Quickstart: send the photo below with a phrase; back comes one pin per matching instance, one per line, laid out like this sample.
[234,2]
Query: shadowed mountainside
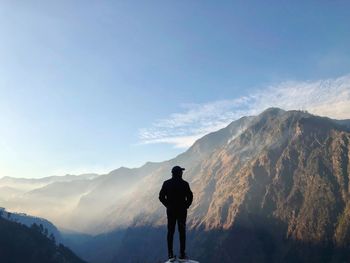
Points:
[19,243]
[28,221]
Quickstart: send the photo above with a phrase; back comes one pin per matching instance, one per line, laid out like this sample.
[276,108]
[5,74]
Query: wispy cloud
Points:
[330,97]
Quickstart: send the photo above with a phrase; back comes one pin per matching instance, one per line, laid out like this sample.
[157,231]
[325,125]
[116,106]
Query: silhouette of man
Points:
[176,196]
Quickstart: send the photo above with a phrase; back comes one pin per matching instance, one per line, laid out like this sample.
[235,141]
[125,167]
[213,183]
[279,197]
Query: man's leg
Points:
[181,223]
[171,229]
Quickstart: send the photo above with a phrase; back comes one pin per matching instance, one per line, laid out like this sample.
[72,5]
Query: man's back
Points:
[176,194]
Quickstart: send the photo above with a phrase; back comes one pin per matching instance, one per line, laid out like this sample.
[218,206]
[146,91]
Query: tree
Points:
[35,227]
[41,228]
[52,237]
[46,232]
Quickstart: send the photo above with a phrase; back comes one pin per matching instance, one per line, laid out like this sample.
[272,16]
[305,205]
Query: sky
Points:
[89,86]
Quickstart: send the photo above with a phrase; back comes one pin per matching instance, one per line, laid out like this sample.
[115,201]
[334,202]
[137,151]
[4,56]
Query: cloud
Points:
[330,97]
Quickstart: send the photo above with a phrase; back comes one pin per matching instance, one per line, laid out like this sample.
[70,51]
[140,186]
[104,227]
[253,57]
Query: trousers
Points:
[179,216]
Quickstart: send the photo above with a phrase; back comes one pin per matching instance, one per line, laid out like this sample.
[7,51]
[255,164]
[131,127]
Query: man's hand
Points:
[162,195]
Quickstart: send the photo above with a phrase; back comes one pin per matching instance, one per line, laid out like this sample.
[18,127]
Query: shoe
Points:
[171,257]
[183,258]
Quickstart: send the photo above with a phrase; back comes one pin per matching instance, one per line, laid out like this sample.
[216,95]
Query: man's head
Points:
[177,171]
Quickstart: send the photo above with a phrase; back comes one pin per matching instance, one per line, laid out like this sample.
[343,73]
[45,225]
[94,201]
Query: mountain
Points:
[49,197]
[274,190]
[345,123]
[67,201]
[121,184]
[26,184]
[19,243]
[267,188]
[142,202]
[108,190]
[80,203]
[7,193]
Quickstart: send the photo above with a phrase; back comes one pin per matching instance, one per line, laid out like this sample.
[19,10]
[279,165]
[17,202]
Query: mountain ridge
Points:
[276,179]
[274,182]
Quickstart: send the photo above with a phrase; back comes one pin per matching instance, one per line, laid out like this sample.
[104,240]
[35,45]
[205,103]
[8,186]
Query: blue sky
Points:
[88,86]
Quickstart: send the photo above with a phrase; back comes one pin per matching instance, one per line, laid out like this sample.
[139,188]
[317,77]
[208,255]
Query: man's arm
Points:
[162,195]
[189,196]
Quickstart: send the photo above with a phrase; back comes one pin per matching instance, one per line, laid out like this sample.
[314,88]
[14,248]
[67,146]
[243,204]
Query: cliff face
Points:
[288,166]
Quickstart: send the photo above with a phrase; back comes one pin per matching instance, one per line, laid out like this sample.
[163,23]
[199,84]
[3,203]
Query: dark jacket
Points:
[176,194]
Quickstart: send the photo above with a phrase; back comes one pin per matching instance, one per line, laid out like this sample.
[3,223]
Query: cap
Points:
[177,169]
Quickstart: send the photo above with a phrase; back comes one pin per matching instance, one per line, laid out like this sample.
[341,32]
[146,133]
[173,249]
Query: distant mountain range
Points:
[267,188]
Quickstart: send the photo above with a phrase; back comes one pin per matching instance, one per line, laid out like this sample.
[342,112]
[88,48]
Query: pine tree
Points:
[41,228]
[52,237]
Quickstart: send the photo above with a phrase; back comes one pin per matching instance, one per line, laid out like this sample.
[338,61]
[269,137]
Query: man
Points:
[177,197]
